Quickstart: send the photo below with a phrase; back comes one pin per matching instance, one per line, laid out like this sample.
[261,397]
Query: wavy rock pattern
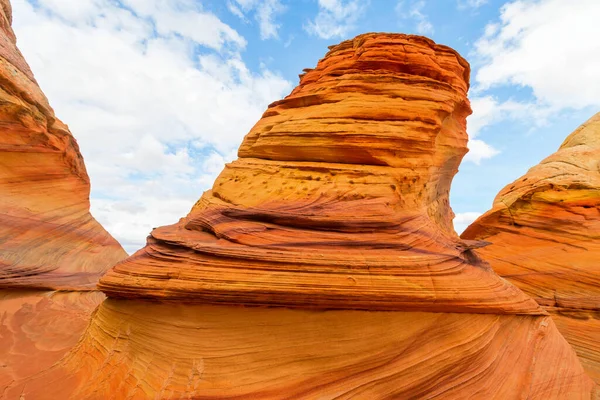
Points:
[48,238]
[545,230]
[38,328]
[140,350]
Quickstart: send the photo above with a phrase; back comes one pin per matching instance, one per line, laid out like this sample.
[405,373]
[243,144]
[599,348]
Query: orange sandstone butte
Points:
[323,263]
[48,239]
[545,235]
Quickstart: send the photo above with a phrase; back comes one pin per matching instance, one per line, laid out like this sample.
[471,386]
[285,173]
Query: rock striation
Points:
[339,198]
[323,263]
[544,229]
[48,238]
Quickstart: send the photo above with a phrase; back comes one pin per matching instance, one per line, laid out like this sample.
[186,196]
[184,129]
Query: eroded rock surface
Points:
[139,350]
[48,238]
[323,263]
[545,235]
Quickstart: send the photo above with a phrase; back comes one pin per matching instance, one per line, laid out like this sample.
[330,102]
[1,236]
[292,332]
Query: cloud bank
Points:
[156,93]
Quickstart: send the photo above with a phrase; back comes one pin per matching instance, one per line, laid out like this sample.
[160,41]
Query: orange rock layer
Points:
[140,350]
[339,198]
[545,235]
[37,328]
[48,238]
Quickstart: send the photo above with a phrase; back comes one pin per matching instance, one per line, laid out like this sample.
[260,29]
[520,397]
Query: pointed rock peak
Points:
[339,198]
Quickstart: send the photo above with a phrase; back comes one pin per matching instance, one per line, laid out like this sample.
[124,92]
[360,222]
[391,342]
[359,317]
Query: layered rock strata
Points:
[339,198]
[545,235]
[323,263]
[48,238]
[138,350]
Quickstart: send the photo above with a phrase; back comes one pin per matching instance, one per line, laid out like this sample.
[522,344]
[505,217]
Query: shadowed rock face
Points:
[48,238]
[339,198]
[545,235]
[335,211]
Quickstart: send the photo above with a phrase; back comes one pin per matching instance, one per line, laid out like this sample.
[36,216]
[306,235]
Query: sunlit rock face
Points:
[323,264]
[545,235]
[48,238]
[339,198]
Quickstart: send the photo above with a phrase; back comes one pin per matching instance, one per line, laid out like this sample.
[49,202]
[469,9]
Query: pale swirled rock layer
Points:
[48,238]
[339,198]
[545,235]
[37,328]
[140,350]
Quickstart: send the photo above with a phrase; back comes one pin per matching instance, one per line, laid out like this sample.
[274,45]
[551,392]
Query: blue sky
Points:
[159,93]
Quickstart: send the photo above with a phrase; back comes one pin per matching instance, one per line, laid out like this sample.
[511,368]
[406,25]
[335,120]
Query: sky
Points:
[160,93]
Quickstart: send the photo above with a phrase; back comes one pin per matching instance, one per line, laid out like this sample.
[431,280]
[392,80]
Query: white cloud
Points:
[265,13]
[488,110]
[157,95]
[470,3]
[463,220]
[336,18]
[479,150]
[547,45]
[235,10]
[414,11]
[543,45]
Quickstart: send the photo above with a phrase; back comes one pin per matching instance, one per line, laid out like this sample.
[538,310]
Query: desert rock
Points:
[48,238]
[323,263]
[544,229]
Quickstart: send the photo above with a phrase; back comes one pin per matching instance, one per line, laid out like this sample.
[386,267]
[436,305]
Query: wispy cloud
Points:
[413,11]
[336,18]
[265,13]
[473,4]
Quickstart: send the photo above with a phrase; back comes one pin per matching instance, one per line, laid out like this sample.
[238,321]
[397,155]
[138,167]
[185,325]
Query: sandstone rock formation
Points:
[545,235]
[339,198]
[336,217]
[48,239]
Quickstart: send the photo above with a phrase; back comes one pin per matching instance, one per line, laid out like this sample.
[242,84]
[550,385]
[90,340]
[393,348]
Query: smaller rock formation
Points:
[48,238]
[545,235]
